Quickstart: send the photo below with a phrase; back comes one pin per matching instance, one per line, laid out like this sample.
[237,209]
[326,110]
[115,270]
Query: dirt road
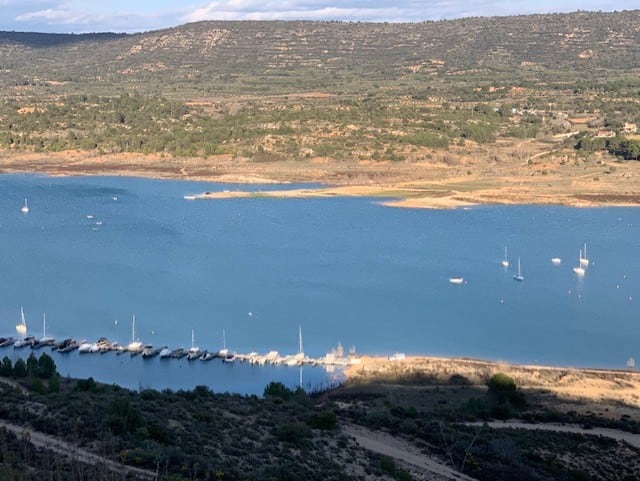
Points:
[64,448]
[629,438]
[387,445]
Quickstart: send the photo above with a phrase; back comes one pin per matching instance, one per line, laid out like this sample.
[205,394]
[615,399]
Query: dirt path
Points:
[403,451]
[64,448]
[629,438]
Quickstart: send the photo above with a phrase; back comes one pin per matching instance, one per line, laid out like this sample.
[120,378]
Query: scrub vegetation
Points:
[293,435]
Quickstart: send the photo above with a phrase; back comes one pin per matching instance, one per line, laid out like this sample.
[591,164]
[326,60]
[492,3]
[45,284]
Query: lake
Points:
[94,251]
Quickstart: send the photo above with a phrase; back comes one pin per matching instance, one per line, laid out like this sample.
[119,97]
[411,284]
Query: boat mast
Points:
[300,339]
[133,329]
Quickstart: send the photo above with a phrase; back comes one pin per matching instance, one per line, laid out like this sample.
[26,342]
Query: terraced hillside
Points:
[212,58]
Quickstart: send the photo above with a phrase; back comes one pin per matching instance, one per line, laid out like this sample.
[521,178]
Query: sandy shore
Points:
[599,385]
[398,184]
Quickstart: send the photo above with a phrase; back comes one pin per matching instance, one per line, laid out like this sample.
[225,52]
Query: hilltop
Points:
[536,108]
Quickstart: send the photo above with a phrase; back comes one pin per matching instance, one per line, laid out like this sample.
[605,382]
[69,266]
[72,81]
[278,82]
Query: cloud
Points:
[385,10]
[126,16]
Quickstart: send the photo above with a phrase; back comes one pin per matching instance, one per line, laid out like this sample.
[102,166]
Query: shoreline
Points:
[401,185]
[592,384]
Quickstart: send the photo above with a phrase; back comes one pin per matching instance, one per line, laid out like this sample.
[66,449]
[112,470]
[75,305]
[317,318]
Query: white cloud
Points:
[126,16]
[385,10]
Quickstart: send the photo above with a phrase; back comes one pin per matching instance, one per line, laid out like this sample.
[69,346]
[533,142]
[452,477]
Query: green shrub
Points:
[325,420]
[278,390]
[296,433]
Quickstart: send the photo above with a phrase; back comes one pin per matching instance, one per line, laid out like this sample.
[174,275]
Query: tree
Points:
[46,366]
[6,367]
[32,365]
[20,368]
[278,390]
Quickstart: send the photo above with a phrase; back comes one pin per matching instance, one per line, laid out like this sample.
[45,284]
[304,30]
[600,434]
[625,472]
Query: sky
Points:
[84,16]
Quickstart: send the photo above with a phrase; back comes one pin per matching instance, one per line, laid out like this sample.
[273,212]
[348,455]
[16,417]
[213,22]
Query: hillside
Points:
[211,58]
[463,109]
[422,419]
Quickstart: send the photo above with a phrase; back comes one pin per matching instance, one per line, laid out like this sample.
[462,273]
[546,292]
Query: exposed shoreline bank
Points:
[591,384]
[405,184]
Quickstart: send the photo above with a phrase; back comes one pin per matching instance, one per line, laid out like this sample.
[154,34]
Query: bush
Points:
[500,384]
[86,385]
[325,420]
[296,433]
[504,390]
[278,390]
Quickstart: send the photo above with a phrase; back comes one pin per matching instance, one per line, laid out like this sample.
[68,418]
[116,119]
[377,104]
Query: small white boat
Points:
[456,280]
[25,207]
[21,327]
[86,347]
[505,261]
[556,260]
[189,197]
[579,270]
[518,276]
[89,216]
[27,341]
[165,353]
[584,260]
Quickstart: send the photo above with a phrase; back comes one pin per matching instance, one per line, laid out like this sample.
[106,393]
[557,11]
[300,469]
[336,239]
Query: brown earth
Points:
[606,392]
[536,174]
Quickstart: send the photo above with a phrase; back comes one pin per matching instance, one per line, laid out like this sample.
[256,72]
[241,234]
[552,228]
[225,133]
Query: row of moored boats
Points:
[135,348]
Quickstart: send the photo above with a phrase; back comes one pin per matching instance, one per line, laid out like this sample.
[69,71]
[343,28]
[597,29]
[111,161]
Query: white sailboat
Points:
[21,327]
[579,270]
[518,276]
[456,280]
[45,339]
[25,207]
[194,351]
[134,346]
[505,261]
[224,351]
[584,260]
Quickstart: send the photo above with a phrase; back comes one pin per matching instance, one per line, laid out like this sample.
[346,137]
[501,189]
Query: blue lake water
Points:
[346,270]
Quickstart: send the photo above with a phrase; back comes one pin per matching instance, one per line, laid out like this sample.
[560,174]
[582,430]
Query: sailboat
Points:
[505,261]
[584,260]
[45,339]
[224,351]
[194,351]
[25,207]
[21,327]
[579,269]
[518,276]
[134,346]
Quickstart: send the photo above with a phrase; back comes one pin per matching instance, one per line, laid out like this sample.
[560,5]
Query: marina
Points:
[334,358]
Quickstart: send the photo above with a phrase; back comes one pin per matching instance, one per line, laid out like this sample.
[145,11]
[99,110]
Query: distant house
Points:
[629,128]
[605,134]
